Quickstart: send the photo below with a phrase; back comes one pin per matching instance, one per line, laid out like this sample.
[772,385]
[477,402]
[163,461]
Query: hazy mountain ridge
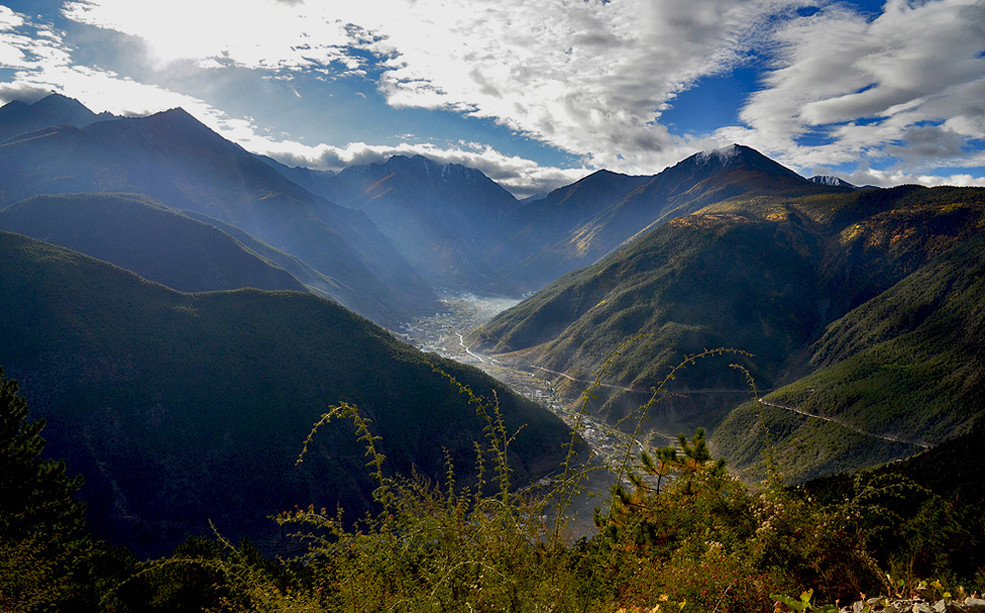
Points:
[18,118]
[172,157]
[184,407]
[461,230]
[142,235]
[442,217]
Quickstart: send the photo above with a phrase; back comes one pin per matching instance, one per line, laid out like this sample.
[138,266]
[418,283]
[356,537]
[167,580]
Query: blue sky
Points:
[534,94]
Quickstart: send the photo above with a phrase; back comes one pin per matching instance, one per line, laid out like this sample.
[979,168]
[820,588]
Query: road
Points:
[843,424]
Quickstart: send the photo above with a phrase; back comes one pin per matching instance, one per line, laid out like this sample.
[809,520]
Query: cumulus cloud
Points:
[904,89]
[907,86]
[889,178]
[521,176]
[25,45]
[589,77]
[254,33]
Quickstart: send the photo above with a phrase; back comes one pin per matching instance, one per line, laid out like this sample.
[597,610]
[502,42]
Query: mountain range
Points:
[576,225]
[861,310]
[182,311]
[178,161]
[443,218]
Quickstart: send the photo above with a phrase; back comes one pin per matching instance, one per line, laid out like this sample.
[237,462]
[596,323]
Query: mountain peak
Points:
[176,114]
[177,120]
[731,156]
[435,170]
[736,156]
[831,181]
[53,110]
[723,155]
[56,100]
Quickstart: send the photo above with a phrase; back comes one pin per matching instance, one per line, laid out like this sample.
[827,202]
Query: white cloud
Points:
[521,176]
[586,76]
[24,45]
[9,19]
[254,33]
[908,85]
[888,178]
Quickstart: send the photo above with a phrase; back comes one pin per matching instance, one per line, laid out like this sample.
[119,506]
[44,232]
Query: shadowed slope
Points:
[140,234]
[186,408]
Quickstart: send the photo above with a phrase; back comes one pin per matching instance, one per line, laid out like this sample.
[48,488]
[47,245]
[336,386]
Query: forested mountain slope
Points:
[874,292]
[183,409]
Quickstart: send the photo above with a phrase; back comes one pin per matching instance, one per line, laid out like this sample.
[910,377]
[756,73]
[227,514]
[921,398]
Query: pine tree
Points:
[43,538]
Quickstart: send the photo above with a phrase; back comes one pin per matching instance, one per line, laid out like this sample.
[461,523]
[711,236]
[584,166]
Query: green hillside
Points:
[697,282]
[907,364]
[865,305]
[577,225]
[185,408]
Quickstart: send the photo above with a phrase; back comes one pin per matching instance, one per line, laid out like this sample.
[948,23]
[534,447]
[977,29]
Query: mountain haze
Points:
[18,118]
[173,158]
[142,235]
[461,230]
[442,217]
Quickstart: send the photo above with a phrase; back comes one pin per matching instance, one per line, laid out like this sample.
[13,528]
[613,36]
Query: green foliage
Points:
[907,366]
[686,537]
[804,604]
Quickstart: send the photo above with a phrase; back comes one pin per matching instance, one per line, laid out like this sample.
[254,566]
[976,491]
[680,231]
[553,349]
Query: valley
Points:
[191,321]
[417,306]
[444,333]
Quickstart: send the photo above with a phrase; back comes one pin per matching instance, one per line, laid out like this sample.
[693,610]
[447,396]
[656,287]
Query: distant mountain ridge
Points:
[53,110]
[175,159]
[452,225]
[142,235]
[461,230]
[441,217]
